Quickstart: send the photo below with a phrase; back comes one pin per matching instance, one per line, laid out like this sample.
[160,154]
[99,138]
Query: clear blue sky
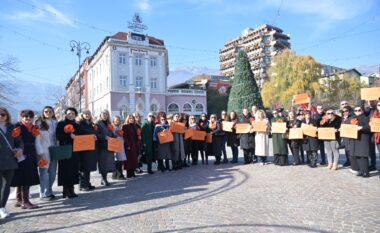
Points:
[38,32]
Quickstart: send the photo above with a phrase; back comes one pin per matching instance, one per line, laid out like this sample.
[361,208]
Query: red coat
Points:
[131,145]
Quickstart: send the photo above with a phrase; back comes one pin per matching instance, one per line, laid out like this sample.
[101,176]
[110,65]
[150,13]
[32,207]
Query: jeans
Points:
[47,178]
[5,186]
[321,146]
[263,159]
[235,153]
[223,146]
[332,151]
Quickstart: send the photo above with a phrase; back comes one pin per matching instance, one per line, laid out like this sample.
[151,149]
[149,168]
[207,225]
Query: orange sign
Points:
[372,93]
[375,125]
[177,127]
[349,131]
[208,138]
[295,133]
[189,133]
[309,130]
[278,127]
[165,137]
[326,133]
[227,126]
[199,135]
[301,98]
[115,144]
[259,126]
[84,142]
[243,128]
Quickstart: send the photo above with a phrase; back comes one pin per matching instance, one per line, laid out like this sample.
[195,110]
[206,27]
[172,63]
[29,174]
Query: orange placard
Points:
[278,127]
[375,125]
[259,126]
[372,93]
[349,131]
[227,126]
[189,133]
[199,135]
[326,133]
[243,128]
[177,127]
[114,144]
[309,130]
[84,142]
[165,137]
[208,138]
[295,133]
[301,98]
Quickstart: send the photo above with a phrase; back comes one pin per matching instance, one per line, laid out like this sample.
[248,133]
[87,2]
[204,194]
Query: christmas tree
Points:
[244,91]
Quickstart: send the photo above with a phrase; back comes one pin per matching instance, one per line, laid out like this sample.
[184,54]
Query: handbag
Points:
[60,152]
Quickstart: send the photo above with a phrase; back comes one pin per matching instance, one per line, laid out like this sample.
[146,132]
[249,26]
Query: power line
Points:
[277,13]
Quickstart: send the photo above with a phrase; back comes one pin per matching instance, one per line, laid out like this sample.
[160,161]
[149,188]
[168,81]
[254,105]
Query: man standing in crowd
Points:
[317,118]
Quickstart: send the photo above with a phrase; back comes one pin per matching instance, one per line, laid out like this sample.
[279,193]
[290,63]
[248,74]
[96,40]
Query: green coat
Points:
[147,140]
[280,146]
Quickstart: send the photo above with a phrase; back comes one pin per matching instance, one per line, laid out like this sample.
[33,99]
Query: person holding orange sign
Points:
[178,147]
[120,157]
[194,144]
[131,145]
[217,134]
[376,136]
[262,138]
[247,140]
[163,150]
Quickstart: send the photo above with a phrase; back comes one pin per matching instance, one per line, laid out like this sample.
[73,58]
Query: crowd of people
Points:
[25,159]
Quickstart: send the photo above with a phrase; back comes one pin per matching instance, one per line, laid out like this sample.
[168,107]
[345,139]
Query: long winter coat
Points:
[247,140]
[147,140]
[178,147]
[120,156]
[163,150]
[262,142]
[310,143]
[217,134]
[106,158]
[232,137]
[68,169]
[88,159]
[7,158]
[360,147]
[27,172]
[280,146]
[131,146]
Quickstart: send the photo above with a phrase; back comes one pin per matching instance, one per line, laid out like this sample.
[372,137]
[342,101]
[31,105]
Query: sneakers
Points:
[3,213]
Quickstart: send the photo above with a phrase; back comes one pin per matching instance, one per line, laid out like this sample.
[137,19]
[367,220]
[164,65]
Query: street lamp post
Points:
[77,46]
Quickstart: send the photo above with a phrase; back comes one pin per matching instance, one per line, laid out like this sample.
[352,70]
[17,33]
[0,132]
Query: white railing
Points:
[186,92]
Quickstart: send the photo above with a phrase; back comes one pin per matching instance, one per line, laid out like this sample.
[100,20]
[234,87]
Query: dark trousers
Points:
[312,156]
[235,153]
[247,155]
[118,173]
[362,164]
[194,153]
[263,159]
[223,146]
[296,149]
[84,179]
[347,153]
[354,164]
[372,153]
[321,146]
[5,186]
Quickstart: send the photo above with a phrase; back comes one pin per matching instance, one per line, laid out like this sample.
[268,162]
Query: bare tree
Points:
[7,71]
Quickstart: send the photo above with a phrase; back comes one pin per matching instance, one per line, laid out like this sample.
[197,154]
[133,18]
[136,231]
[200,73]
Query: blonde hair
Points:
[258,114]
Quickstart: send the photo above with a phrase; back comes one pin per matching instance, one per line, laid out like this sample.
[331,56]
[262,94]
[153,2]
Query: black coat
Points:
[87,159]
[232,137]
[68,169]
[360,147]
[7,158]
[27,172]
[310,143]
[247,140]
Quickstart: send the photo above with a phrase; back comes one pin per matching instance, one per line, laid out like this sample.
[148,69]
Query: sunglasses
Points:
[3,114]
[329,113]
[357,110]
[344,104]
[345,111]
[378,105]
[150,116]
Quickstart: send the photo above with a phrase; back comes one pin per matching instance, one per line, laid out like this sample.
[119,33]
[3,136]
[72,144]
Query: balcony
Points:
[187,92]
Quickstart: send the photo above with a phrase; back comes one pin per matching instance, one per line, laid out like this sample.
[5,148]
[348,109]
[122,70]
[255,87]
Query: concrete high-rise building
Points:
[261,45]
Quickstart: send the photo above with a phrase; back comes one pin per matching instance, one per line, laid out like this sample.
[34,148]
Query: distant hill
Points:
[184,73]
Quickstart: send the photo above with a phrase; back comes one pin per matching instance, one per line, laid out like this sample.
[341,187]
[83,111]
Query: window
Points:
[123,80]
[186,107]
[122,58]
[153,83]
[139,81]
[172,108]
[138,60]
[153,108]
[199,108]
[153,61]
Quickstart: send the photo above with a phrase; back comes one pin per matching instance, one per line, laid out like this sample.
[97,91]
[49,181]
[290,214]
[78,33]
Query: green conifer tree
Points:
[244,90]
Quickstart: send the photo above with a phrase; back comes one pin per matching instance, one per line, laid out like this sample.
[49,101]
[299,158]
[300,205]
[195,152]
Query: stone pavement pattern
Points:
[208,198]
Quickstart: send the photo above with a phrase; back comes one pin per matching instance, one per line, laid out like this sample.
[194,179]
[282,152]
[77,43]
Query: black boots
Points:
[104,179]
[68,191]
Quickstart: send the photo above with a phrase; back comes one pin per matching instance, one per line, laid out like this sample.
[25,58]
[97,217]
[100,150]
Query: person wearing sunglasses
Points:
[203,124]
[347,113]
[332,146]
[163,150]
[147,129]
[359,148]
[27,173]
[11,146]
[247,140]
[280,147]
[178,147]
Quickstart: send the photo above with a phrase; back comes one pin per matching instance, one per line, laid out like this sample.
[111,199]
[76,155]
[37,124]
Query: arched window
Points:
[187,107]
[173,108]
[199,108]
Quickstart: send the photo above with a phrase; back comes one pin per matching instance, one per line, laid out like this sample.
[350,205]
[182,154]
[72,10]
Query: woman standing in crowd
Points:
[310,144]
[280,147]
[247,140]
[332,146]
[223,117]
[203,124]
[88,158]
[232,138]
[376,136]
[147,140]
[131,144]
[194,144]
[346,118]
[68,169]
[137,117]
[27,173]
[163,150]
[106,159]
[359,148]
[296,144]
[11,146]
[186,143]
[47,123]
[120,157]
[262,138]
[178,147]
[217,138]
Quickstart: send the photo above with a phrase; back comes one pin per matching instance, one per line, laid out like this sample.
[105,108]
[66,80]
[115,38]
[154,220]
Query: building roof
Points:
[124,36]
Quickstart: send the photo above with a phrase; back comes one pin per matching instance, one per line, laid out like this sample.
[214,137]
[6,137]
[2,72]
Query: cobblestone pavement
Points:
[208,198]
